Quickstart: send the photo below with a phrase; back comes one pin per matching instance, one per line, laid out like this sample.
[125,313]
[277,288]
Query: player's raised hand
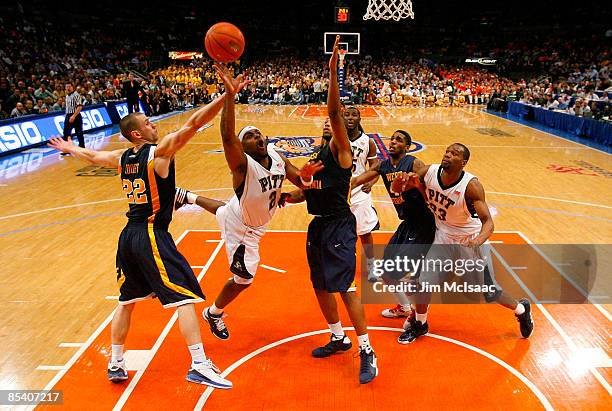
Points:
[60,144]
[333,60]
[310,169]
[232,85]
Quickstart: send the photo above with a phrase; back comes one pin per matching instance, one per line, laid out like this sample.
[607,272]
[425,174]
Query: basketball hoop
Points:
[389,9]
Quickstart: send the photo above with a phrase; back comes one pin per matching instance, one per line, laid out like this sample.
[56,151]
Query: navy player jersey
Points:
[409,205]
[328,195]
[150,197]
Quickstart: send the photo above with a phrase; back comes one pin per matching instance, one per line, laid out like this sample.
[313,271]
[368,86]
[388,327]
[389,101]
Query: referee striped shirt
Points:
[72,102]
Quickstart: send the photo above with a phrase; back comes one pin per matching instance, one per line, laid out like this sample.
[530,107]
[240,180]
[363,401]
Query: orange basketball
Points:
[224,42]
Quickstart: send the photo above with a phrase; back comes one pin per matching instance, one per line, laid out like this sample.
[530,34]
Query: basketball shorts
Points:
[331,250]
[149,264]
[241,242]
[411,240]
[365,213]
[448,248]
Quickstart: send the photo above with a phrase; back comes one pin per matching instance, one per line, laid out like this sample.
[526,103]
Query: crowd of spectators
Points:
[38,59]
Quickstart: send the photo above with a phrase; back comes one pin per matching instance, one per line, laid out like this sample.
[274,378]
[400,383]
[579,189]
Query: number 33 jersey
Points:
[258,196]
[454,216]
[150,197]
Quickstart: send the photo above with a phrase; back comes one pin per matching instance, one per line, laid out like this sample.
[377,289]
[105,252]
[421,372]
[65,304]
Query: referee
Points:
[73,120]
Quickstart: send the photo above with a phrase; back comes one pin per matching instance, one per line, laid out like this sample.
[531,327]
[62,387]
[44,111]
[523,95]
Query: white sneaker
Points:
[117,371]
[207,373]
[397,312]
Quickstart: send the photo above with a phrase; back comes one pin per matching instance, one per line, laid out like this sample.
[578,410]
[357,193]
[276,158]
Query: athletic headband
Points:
[246,130]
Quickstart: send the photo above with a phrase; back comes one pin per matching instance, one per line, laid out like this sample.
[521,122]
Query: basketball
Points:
[224,42]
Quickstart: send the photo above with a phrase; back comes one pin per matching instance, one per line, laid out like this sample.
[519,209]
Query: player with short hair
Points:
[148,262]
[258,172]
[463,225]
[416,232]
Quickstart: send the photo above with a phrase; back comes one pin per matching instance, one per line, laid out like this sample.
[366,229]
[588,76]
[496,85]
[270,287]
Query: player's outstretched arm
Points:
[101,158]
[293,197]
[475,194]
[232,146]
[340,138]
[369,176]
[173,142]
[302,178]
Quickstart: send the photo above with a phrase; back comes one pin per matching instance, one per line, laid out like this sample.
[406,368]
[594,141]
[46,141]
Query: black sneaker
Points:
[525,320]
[416,330]
[216,323]
[180,197]
[367,367]
[332,347]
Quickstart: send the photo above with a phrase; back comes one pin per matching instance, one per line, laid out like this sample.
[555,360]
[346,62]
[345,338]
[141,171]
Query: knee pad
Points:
[242,281]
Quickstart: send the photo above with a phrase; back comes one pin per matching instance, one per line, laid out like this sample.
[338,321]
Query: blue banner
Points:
[22,132]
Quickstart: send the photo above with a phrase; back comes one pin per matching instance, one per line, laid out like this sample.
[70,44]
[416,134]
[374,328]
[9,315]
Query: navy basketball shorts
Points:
[149,264]
[331,251]
[411,240]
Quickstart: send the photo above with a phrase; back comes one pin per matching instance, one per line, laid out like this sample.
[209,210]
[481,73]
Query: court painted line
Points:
[293,111]
[495,242]
[549,198]
[570,343]
[70,345]
[44,210]
[513,147]
[305,111]
[134,381]
[71,220]
[111,297]
[390,113]
[89,341]
[541,397]
[519,268]
[51,368]
[599,308]
[545,132]
[197,267]
[213,241]
[377,113]
[278,270]
[552,211]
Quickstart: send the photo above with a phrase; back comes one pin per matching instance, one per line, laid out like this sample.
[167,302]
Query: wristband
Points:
[306,184]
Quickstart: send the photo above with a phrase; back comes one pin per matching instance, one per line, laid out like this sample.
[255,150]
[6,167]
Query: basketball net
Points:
[389,9]
[341,54]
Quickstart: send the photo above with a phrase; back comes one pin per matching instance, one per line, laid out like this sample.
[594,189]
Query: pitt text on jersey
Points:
[271,182]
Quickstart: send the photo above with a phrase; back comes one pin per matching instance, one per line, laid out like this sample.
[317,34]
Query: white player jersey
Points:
[261,191]
[361,151]
[453,216]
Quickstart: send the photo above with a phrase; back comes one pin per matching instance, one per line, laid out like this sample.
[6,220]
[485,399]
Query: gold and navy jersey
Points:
[150,197]
[329,193]
[410,205]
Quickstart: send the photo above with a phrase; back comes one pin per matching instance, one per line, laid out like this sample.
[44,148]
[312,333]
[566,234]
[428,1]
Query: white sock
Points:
[336,330]
[421,317]
[197,353]
[520,309]
[364,343]
[116,353]
[191,197]
[214,310]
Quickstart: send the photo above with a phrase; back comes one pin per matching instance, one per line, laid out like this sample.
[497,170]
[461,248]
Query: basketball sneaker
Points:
[180,197]
[207,373]
[216,323]
[416,330]
[367,366]
[332,347]
[117,372]
[399,311]
[525,320]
